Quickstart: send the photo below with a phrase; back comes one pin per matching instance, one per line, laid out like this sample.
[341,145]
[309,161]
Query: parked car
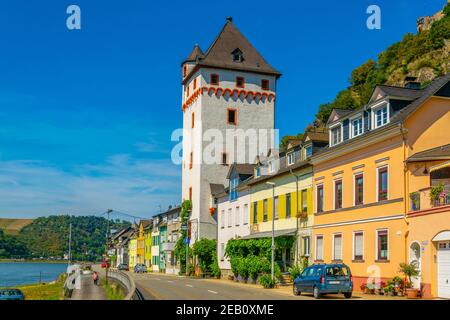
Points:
[11,294]
[123,267]
[105,264]
[320,279]
[140,268]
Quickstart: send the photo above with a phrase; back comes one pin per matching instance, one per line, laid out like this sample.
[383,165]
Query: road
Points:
[172,287]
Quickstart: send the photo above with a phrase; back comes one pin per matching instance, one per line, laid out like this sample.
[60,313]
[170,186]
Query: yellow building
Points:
[132,251]
[428,187]
[360,182]
[286,179]
[148,246]
[140,253]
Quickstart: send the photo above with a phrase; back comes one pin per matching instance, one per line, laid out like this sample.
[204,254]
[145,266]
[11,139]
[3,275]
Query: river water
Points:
[19,273]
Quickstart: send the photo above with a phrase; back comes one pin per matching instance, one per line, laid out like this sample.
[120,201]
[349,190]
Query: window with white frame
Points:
[230,217]
[222,219]
[381,116]
[306,246]
[357,127]
[336,135]
[358,246]
[222,251]
[246,214]
[337,246]
[237,216]
[382,245]
[291,158]
[319,247]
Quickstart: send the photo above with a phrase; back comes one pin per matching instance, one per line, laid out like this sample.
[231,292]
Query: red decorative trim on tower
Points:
[220,92]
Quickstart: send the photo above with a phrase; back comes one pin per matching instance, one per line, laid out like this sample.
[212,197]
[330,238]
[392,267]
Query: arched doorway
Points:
[414,258]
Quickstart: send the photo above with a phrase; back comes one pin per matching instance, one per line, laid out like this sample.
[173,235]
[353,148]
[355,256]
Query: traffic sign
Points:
[186,240]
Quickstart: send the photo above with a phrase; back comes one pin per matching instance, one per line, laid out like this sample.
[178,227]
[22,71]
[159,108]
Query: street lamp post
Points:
[273,229]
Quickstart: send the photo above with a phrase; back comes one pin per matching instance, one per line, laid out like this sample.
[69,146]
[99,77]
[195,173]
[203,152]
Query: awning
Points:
[440,166]
[442,236]
[268,234]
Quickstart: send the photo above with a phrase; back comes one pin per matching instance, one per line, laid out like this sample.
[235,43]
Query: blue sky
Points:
[86,115]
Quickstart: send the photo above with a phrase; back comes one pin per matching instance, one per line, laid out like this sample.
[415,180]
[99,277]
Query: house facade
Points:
[233,209]
[148,246]
[360,183]
[229,87]
[132,250]
[283,182]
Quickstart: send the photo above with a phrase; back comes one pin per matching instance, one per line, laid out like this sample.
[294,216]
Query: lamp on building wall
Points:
[425,171]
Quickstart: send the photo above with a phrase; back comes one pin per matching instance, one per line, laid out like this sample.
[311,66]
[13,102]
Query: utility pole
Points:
[273,229]
[106,247]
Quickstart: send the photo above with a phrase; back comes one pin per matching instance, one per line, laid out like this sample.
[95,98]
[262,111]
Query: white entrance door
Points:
[443,265]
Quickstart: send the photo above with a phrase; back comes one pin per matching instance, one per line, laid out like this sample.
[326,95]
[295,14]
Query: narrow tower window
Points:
[214,80]
[232,116]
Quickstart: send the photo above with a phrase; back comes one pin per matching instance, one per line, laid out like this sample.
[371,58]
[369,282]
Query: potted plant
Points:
[435,193]
[364,288]
[415,201]
[398,285]
[379,288]
[371,287]
[389,290]
[410,270]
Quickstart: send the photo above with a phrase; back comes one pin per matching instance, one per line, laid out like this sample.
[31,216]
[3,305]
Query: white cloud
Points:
[33,188]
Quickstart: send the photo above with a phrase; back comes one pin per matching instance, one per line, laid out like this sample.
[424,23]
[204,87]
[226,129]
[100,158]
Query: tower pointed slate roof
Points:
[195,53]
[219,54]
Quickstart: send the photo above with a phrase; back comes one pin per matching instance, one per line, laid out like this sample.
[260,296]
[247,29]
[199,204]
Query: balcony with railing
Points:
[429,198]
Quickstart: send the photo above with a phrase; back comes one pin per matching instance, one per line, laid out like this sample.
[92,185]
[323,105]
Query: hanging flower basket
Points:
[212,210]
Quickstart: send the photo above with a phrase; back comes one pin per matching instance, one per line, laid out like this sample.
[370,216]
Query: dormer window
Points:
[356,127]
[308,151]
[237,55]
[233,188]
[336,135]
[271,165]
[257,172]
[380,116]
[291,158]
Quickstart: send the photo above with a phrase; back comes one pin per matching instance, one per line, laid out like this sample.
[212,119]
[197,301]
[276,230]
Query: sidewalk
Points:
[88,290]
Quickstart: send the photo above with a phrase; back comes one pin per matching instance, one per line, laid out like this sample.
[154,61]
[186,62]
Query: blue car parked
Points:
[11,294]
[321,279]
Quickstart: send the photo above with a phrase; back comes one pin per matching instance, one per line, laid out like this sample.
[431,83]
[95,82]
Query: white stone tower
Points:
[230,86]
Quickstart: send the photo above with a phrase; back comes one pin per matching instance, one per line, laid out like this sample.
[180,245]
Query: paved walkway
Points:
[88,291]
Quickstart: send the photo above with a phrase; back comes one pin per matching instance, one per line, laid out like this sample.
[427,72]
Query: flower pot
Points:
[411,293]
[390,293]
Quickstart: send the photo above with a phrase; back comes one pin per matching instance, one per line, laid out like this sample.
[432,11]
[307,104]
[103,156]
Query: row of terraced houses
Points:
[370,188]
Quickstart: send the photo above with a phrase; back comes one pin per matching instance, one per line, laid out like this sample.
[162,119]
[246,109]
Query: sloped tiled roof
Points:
[219,54]
[216,188]
[438,153]
[195,53]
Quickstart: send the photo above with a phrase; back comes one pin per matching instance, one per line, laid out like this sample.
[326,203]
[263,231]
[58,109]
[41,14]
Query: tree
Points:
[205,250]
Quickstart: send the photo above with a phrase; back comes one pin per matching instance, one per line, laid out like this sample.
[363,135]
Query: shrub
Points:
[243,268]
[215,270]
[295,271]
[253,264]
[205,250]
[234,262]
[409,270]
[267,282]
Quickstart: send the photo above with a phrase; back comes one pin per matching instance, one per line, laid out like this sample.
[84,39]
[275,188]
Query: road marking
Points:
[212,291]
[157,279]
[189,285]
[170,281]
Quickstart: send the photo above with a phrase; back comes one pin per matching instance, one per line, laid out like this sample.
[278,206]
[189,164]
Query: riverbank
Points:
[49,291]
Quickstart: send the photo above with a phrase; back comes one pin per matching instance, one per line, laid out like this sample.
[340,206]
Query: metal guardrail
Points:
[127,282]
